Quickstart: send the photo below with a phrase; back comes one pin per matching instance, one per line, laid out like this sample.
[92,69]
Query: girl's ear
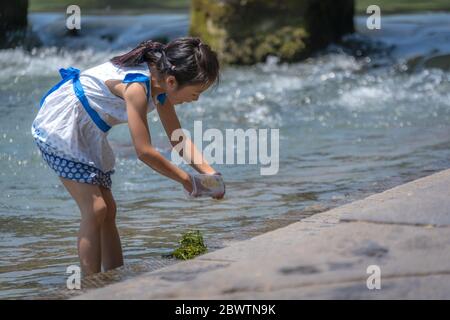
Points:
[171,82]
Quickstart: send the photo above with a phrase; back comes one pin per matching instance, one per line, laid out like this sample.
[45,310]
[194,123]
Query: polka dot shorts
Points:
[76,171]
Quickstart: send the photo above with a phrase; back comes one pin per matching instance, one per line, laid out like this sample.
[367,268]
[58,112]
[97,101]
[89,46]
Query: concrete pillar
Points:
[247,31]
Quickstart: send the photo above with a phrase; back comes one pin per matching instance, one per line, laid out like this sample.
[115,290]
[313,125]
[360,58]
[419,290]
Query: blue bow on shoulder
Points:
[69,73]
[66,75]
[74,74]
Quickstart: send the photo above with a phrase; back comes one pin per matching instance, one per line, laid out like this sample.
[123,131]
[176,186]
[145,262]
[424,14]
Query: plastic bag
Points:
[206,185]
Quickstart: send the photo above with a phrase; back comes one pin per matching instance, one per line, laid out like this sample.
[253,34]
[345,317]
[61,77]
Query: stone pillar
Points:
[13,22]
[247,31]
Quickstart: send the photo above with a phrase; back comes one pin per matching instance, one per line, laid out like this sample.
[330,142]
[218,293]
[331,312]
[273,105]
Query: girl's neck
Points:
[156,86]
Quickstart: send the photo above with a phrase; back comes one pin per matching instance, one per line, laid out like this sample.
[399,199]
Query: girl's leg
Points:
[93,213]
[110,241]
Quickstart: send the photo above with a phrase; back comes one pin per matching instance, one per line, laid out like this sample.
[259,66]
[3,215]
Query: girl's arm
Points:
[171,123]
[136,102]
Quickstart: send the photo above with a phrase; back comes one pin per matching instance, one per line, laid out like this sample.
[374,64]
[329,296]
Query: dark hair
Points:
[188,59]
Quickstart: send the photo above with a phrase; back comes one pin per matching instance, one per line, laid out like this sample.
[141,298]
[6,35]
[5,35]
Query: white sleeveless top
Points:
[63,127]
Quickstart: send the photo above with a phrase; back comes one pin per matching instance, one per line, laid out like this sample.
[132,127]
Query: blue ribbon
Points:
[138,77]
[161,98]
[74,74]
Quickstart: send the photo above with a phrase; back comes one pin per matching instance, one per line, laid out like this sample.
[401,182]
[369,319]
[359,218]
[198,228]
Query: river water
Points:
[354,120]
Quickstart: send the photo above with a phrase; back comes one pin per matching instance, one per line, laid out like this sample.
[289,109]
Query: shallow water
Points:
[351,124]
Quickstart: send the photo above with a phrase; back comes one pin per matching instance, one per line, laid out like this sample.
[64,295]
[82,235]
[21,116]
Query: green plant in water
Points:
[191,245]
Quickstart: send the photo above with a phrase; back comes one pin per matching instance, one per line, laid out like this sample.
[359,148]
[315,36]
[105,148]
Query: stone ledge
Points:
[321,257]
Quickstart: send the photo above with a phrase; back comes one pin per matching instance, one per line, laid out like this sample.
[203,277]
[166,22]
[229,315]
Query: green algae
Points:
[191,245]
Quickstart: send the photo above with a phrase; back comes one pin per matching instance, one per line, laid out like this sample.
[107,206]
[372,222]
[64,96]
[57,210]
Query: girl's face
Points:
[187,93]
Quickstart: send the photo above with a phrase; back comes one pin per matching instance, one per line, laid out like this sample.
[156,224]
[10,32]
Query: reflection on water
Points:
[350,125]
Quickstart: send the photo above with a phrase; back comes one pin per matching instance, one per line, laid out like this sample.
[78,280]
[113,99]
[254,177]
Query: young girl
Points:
[76,115]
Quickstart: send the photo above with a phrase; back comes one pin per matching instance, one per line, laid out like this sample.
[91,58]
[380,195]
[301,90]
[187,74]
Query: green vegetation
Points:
[400,6]
[191,245]
[96,5]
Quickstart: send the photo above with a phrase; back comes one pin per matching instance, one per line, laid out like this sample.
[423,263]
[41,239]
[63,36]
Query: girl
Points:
[72,124]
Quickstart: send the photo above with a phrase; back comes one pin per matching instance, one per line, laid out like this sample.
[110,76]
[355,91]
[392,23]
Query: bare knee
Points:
[97,213]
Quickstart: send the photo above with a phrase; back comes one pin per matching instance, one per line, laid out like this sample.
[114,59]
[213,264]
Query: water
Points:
[352,122]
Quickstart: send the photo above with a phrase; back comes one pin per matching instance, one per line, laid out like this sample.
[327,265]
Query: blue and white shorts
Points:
[76,171]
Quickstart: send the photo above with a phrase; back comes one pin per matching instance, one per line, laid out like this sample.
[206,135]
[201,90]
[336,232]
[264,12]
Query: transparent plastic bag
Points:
[206,185]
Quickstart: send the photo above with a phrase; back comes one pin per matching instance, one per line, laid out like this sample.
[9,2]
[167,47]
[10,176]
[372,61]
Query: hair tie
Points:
[158,54]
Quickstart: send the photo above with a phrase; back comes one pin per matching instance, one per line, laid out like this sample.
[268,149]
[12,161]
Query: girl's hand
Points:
[188,185]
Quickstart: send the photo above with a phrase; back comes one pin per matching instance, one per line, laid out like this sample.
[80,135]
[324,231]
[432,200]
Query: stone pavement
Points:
[405,231]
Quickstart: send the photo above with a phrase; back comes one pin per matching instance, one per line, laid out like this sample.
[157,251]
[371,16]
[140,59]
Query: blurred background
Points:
[359,111]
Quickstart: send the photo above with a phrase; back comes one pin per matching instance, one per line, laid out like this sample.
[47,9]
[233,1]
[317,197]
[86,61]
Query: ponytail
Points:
[149,50]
